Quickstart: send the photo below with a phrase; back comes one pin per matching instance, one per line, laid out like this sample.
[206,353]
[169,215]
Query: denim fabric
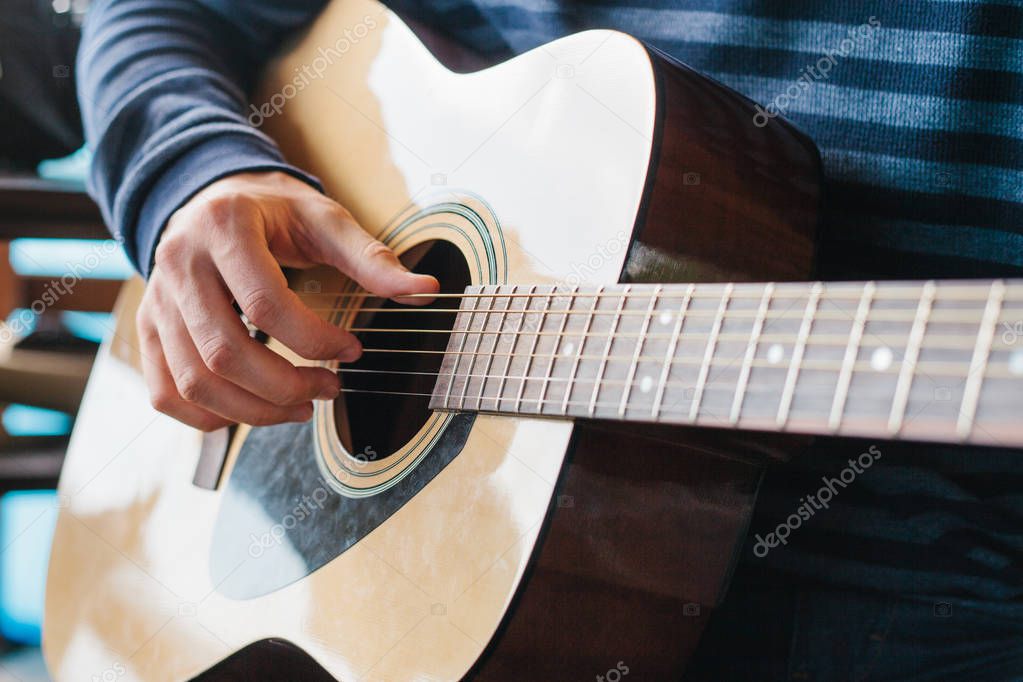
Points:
[770,630]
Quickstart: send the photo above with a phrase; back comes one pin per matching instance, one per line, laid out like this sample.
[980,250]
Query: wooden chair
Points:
[43,209]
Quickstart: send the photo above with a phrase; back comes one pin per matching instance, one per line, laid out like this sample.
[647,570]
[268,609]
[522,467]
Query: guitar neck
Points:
[937,361]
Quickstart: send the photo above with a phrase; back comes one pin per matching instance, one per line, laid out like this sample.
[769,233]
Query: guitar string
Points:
[934,342]
[964,294]
[952,316]
[526,401]
[927,368]
[908,315]
[940,316]
[669,410]
[936,368]
[832,340]
[863,366]
[816,390]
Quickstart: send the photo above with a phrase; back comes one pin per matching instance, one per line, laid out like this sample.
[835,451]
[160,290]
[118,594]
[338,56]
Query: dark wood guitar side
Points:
[651,554]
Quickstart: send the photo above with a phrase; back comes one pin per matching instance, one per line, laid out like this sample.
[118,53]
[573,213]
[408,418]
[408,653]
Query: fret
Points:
[978,364]
[445,373]
[579,353]
[532,349]
[607,350]
[910,358]
[655,411]
[631,375]
[493,350]
[461,349]
[797,354]
[701,381]
[852,350]
[511,349]
[565,364]
[851,358]
[474,353]
[554,351]
[751,352]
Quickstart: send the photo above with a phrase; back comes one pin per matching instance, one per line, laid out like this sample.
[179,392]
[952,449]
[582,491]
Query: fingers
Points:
[225,347]
[261,290]
[341,242]
[163,393]
[229,243]
[197,385]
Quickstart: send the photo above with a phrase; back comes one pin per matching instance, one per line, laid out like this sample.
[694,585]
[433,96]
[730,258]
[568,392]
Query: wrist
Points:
[217,159]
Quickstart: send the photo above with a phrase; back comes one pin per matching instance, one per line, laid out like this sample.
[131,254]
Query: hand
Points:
[227,244]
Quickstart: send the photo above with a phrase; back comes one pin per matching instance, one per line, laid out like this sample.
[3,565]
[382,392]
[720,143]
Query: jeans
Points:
[771,630]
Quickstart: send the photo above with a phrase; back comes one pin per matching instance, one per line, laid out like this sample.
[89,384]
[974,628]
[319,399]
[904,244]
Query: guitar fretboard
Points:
[940,361]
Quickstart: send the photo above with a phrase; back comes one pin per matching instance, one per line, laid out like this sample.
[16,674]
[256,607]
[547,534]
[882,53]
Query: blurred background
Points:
[59,277]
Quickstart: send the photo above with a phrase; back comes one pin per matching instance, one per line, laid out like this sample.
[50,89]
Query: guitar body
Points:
[464,544]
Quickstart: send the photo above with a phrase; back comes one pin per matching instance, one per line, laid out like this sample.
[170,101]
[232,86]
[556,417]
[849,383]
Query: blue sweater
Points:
[916,105]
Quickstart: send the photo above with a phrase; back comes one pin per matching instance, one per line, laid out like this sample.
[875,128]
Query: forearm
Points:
[162,85]
[163,90]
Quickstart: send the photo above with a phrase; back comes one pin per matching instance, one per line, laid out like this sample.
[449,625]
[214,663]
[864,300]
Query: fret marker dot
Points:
[775,354]
[646,384]
[1016,362]
[665,318]
[567,350]
[881,358]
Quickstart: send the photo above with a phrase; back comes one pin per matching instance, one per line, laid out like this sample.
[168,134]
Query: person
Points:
[39,116]
[914,570]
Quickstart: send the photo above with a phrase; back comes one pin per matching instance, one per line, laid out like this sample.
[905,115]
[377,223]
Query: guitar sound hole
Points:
[395,405]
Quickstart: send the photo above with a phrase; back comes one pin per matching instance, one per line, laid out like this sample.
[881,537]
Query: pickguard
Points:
[280,520]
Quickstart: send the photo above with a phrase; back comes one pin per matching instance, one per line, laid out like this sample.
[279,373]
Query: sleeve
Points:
[162,87]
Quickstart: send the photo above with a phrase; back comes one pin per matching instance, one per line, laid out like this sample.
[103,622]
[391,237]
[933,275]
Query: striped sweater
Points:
[916,105]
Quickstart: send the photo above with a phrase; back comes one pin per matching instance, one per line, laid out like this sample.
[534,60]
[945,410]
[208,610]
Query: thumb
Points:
[346,246]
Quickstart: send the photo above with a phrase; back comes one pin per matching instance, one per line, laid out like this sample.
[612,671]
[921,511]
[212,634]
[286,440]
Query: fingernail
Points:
[302,414]
[350,354]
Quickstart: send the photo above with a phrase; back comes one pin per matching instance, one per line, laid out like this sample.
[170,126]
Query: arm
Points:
[208,209]
[162,87]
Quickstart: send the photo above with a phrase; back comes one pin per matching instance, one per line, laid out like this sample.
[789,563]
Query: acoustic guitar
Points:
[547,471]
